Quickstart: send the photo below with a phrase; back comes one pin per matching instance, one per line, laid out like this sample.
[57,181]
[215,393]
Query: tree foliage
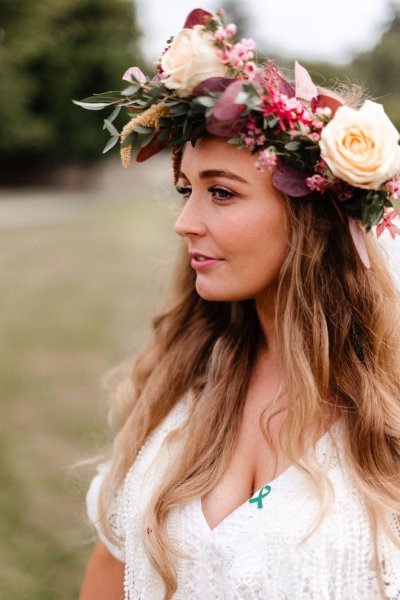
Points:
[379,68]
[50,52]
[375,71]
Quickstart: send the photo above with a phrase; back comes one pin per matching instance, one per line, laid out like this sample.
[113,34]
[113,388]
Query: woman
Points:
[258,450]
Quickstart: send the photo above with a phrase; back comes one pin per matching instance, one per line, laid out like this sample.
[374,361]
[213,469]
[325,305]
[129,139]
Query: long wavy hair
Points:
[338,332]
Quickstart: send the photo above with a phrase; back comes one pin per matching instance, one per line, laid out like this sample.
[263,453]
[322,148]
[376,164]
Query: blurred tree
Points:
[376,71]
[380,67]
[236,12]
[50,52]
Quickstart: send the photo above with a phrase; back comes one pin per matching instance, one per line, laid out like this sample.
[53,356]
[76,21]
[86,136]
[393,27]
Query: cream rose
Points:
[191,58]
[361,146]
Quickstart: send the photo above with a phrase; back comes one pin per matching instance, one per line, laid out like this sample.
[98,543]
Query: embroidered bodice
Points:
[255,553]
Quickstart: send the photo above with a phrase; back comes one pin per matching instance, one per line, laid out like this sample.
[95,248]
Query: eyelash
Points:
[185,191]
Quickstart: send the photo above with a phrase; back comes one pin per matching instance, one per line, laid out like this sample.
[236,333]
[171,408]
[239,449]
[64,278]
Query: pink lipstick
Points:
[200,261]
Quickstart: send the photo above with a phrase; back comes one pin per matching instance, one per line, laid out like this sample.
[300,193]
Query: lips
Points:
[203,261]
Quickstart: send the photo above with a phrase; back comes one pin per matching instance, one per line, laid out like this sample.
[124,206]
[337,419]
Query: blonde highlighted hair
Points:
[338,328]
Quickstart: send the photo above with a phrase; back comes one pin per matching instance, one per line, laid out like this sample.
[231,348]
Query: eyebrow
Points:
[217,173]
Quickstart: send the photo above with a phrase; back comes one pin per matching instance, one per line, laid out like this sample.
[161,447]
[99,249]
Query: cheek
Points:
[265,257]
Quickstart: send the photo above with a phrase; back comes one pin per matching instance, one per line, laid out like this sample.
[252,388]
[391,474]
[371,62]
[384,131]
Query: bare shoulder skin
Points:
[104,577]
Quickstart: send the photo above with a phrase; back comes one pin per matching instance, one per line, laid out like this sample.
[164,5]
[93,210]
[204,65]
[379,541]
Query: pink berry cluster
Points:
[393,187]
[267,159]
[323,181]
[252,135]
[238,56]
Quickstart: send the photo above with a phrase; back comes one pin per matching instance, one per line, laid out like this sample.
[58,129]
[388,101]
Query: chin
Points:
[215,294]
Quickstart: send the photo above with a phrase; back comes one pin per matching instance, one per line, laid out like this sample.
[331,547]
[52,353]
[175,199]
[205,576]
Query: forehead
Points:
[216,153]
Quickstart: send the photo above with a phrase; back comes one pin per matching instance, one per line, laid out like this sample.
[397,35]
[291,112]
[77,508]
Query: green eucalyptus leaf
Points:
[130,139]
[163,136]
[156,92]
[110,127]
[179,109]
[250,88]
[242,98]
[130,90]
[110,144]
[137,142]
[164,122]
[92,105]
[388,202]
[114,113]
[205,101]
[146,139]
[292,146]
[271,123]
[142,129]
[187,126]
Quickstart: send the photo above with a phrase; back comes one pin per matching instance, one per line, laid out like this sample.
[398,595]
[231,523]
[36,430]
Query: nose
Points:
[191,219]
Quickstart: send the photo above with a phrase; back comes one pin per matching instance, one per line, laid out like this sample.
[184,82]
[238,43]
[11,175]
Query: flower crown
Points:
[313,144]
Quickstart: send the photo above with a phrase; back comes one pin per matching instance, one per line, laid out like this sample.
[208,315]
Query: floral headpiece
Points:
[312,143]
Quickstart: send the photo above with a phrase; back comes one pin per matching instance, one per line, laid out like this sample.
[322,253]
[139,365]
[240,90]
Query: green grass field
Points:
[76,299]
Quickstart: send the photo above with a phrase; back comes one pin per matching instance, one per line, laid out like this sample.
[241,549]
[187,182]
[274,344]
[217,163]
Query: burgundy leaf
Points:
[225,129]
[323,101]
[271,75]
[284,86]
[291,181]
[196,17]
[150,149]
[212,84]
[225,108]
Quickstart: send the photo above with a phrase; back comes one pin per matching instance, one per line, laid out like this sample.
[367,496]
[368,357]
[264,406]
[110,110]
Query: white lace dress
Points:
[255,552]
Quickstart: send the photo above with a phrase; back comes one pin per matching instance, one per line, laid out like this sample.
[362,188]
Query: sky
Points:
[329,30]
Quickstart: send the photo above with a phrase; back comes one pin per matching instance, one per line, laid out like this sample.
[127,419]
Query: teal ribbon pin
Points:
[263,493]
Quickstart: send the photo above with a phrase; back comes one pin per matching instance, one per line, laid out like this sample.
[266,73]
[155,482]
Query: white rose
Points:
[361,146]
[191,58]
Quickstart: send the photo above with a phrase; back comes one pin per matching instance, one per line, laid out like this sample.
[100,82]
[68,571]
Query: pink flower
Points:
[289,111]
[317,183]
[387,223]
[267,159]
[314,136]
[321,167]
[221,35]
[251,69]
[225,55]
[247,43]
[252,135]
[393,185]
[316,124]
[231,29]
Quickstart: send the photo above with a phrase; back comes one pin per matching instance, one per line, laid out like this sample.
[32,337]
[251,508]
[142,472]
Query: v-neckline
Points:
[272,484]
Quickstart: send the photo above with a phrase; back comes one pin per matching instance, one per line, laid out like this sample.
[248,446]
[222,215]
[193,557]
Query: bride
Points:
[258,449]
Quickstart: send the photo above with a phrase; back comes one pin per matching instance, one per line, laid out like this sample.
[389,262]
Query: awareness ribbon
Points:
[263,493]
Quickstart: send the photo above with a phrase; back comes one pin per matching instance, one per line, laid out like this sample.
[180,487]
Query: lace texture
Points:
[254,553]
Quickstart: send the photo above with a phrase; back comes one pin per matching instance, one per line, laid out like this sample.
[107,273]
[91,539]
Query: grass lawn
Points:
[76,299]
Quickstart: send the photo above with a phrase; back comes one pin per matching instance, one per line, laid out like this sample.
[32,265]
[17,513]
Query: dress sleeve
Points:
[114,515]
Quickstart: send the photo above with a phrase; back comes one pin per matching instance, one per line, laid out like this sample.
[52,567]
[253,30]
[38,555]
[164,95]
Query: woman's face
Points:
[233,221]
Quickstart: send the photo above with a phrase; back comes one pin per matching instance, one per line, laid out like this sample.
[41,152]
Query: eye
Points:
[185,191]
[220,194]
